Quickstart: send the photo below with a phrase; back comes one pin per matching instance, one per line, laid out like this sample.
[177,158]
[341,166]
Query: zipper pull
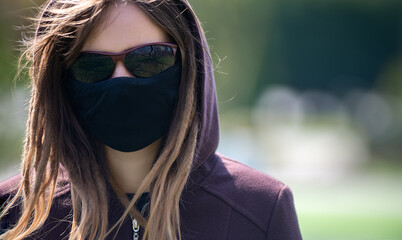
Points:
[136,229]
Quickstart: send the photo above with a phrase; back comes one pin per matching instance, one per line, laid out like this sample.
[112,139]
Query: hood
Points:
[208,136]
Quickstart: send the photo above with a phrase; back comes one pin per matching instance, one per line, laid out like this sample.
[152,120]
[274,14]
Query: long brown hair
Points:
[55,141]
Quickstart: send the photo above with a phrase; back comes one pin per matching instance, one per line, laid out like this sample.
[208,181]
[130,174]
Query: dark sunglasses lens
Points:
[149,61]
[91,67]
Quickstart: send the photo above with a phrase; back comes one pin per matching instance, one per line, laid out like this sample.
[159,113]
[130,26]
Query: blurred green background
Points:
[310,92]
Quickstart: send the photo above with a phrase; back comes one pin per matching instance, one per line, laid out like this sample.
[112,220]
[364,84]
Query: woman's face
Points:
[123,26]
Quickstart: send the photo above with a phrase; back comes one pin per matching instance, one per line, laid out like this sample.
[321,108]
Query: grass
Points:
[342,227]
[367,206]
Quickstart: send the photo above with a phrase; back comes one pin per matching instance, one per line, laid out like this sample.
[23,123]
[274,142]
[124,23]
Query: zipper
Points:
[136,229]
[136,226]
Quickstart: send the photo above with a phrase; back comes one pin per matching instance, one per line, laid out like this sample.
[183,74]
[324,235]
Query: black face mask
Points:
[127,114]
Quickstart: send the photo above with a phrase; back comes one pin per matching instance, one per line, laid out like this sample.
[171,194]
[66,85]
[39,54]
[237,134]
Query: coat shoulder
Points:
[9,187]
[249,179]
[56,223]
[253,194]
[242,183]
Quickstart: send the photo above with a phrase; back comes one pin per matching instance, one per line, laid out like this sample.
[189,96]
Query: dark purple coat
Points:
[223,199]
[226,200]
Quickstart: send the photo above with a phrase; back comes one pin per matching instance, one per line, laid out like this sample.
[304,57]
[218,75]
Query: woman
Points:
[122,133]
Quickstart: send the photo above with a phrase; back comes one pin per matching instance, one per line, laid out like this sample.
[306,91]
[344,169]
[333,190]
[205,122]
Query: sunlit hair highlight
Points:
[56,143]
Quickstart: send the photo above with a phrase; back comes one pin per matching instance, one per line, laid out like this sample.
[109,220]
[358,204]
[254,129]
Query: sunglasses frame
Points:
[122,55]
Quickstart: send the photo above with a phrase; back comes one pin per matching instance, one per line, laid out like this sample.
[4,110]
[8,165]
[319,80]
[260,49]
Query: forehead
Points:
[123,26]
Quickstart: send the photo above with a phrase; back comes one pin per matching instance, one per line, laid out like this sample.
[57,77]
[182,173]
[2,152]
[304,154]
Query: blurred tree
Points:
[339,47]
[7,37]
[14,16]
[333,46]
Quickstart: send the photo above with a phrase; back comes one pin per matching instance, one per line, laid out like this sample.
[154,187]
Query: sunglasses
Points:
[142,61]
